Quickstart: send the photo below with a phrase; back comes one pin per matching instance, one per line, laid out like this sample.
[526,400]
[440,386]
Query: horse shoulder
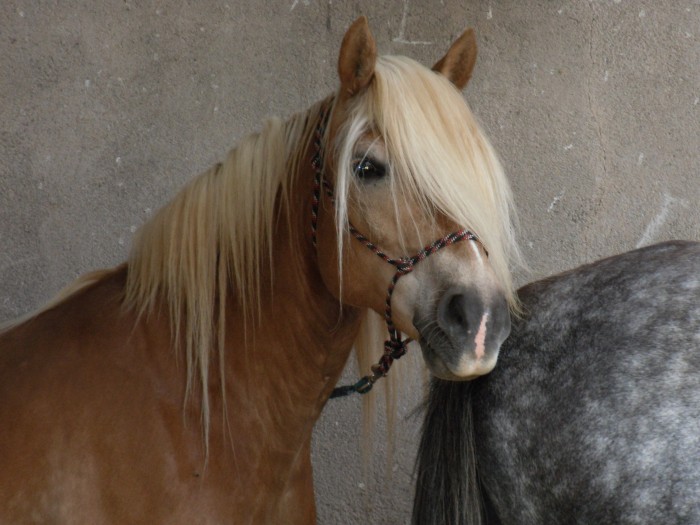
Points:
[86,389]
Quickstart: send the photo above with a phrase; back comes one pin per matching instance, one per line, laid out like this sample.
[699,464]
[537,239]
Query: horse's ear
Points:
[458,63]
[358,54]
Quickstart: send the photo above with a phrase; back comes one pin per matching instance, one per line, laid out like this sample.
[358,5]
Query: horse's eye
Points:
[368,169]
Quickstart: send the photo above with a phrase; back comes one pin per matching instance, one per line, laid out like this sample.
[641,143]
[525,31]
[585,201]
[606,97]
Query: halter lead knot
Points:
[405,265]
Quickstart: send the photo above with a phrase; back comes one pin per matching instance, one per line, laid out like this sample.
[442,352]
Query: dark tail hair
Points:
[447,488]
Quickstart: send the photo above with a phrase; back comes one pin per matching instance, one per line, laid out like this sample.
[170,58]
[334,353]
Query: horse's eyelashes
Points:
[368,169]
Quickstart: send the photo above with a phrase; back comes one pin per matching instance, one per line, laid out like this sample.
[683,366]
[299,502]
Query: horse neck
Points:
[290,356]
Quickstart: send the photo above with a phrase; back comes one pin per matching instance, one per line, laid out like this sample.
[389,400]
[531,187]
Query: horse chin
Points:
[464,368]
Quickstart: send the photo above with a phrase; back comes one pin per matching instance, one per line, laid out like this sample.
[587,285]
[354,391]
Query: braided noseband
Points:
[394,347]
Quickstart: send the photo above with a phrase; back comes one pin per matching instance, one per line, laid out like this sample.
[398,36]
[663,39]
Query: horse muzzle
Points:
[462,336]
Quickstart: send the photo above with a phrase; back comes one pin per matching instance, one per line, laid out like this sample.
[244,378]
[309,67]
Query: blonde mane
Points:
[213,238]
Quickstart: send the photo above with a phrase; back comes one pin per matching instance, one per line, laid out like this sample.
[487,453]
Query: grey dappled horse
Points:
[592,414]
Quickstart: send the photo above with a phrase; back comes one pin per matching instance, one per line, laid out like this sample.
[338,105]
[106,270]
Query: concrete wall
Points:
[107,108]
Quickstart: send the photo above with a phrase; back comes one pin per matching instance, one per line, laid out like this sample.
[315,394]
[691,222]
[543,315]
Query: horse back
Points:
[593,412]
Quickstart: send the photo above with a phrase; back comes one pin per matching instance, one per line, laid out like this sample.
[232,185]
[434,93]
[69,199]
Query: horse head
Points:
[413,207]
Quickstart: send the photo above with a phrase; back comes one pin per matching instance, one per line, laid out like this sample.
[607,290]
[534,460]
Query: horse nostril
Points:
[455,311]
[452,313]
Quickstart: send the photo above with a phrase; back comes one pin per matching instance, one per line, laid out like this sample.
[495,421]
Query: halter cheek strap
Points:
[394,346]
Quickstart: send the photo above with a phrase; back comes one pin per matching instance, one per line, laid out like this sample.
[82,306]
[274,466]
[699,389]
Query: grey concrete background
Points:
[107,108]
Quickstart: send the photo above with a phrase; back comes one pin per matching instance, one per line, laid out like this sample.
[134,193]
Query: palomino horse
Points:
[592,415]
[183,385]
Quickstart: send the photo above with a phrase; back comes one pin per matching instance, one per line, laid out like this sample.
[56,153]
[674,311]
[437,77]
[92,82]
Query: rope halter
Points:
[394,346]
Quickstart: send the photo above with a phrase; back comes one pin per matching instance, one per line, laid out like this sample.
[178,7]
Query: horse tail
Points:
[447,487]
